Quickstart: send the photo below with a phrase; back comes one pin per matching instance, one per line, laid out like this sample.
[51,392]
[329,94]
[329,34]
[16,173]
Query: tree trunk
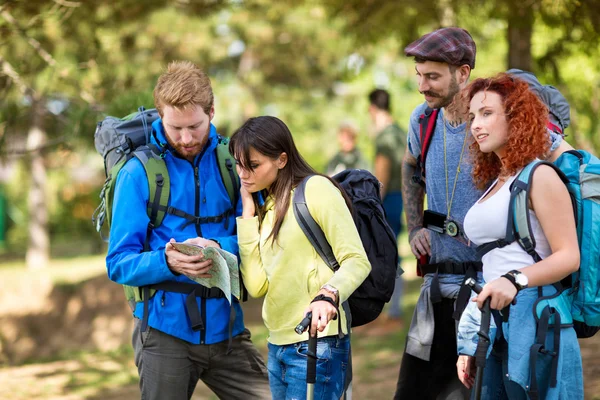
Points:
[520,30]
[38,252]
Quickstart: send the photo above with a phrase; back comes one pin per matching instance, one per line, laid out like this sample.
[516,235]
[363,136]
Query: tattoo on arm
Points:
[413,194]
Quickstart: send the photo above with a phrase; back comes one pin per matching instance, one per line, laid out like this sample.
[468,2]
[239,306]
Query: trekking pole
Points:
[311,362]
[484,338]
[311,367]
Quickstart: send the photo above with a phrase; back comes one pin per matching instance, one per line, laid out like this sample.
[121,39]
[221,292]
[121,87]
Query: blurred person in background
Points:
[349,156]
[390,145]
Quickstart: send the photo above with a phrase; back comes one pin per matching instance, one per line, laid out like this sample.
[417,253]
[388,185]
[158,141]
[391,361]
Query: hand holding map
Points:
[224,273]
[188,249]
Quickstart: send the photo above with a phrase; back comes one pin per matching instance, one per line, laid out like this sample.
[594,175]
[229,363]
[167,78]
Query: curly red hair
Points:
[526,115]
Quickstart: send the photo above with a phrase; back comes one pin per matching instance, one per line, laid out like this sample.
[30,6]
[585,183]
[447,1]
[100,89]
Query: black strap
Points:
[464,294]
[328,299]
[156,203]
[231,322]
[484,335]
[311,228]
[192,290]
[469,269]
[527,242]
[154,210]
[539,347]
[192,219]
[234,182]
[146,296]
[450,267]
[316,237]
[435,292]
[485,248]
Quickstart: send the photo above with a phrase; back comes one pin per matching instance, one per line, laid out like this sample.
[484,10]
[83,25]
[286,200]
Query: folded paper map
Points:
[224,272]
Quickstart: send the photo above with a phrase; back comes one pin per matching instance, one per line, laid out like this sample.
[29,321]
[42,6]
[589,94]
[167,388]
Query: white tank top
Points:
[486,221]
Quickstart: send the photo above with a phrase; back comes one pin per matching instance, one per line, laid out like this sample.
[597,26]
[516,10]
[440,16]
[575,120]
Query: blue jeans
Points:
[496,385]
[392,204]
[287,369]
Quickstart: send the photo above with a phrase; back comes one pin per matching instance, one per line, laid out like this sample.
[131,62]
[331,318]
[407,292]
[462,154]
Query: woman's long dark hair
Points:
[271,137]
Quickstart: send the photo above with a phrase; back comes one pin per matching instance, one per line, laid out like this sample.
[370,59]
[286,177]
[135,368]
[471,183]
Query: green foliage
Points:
[310,63]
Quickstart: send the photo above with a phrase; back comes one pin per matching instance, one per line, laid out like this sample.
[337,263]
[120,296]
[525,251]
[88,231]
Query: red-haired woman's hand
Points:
[501,291]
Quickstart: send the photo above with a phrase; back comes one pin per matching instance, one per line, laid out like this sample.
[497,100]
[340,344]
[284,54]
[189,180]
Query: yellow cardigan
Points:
[289,272]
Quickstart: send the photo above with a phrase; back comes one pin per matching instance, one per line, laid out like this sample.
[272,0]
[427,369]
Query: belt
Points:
[469,269]
[192,290]
[449,267]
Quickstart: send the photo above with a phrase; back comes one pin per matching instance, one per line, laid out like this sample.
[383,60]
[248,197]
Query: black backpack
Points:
[378,239]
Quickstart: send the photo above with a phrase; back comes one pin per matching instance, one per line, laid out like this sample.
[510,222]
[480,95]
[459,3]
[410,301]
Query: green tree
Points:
[49,55]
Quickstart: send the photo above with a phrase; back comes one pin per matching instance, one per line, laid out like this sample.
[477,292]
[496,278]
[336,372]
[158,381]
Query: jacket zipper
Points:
[199,233]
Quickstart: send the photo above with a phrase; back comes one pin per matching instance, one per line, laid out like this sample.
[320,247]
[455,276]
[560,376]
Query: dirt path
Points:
[96,309]
[114,377]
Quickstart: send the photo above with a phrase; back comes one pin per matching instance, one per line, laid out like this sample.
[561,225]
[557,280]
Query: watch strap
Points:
[328,288]
[322,297]
[512,280]
[328,299]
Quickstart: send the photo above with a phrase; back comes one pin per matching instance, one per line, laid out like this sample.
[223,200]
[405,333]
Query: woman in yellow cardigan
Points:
[279,262]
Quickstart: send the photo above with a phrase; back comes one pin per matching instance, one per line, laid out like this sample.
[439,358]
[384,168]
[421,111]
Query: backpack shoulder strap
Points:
[159,184]
[518,226]
[576,153]
[519,222]
[228,172]
[427,122]
[311,228]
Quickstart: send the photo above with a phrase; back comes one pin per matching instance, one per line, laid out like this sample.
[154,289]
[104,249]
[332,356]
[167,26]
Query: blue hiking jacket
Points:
[196,188]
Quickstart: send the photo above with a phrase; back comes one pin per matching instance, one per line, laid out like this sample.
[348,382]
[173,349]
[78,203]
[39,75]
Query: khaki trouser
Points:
[170,368]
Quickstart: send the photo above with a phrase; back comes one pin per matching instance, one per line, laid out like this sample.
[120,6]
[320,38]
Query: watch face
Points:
[521,280]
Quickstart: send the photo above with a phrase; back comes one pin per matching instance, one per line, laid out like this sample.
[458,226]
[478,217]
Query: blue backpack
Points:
[576,301]
[582,170]
[578,297]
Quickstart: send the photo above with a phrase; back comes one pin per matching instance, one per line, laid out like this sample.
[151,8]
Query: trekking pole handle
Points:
[303,325]
[472,283]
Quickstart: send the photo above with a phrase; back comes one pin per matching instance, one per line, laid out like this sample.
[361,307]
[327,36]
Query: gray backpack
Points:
[558,106]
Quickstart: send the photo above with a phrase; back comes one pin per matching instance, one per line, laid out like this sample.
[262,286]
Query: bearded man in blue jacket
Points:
[175,343]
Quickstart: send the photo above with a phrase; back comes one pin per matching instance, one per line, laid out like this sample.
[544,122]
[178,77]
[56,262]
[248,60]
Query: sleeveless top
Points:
[486,221]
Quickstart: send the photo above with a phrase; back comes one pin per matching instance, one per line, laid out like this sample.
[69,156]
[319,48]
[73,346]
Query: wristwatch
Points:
[518,279]
[327,287]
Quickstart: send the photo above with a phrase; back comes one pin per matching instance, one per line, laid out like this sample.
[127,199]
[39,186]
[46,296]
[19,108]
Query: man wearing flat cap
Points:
[443,62]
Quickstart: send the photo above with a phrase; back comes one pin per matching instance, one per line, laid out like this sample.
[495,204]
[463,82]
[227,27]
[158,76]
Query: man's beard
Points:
[198,145]
[453,89]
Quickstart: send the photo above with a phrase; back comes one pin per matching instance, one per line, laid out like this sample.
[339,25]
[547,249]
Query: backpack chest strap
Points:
[192,219]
